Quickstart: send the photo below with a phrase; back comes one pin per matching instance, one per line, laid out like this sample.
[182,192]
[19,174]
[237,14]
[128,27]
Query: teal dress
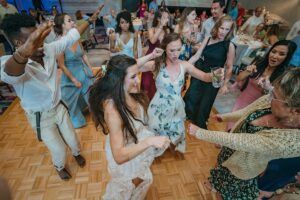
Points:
[76,98]
[230,187]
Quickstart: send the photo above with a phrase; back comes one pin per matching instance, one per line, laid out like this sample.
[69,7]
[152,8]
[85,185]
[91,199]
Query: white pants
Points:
[56,131]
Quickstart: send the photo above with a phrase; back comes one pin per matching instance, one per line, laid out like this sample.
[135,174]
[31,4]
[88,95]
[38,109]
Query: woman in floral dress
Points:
[166,109]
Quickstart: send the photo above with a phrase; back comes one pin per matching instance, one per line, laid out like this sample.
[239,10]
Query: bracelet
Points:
[16,60]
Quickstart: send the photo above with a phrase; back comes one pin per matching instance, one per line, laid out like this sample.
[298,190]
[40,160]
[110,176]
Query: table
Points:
[245,45]
[137,24]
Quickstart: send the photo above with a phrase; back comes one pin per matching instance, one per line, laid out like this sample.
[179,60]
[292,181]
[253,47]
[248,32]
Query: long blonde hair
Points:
[183,17]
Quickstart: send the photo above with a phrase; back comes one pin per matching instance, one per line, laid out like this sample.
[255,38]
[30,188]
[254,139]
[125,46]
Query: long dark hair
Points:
[111,87]
[164,43]
[59,20]
[127,17]
[263,63]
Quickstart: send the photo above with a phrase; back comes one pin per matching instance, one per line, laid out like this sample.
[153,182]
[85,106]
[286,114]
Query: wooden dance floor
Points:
[26,164]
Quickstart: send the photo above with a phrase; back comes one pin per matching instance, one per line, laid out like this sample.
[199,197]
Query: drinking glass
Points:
[217,77]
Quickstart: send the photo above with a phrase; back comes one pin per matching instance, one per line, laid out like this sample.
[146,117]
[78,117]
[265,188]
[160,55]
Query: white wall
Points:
[287,9]
[89,6]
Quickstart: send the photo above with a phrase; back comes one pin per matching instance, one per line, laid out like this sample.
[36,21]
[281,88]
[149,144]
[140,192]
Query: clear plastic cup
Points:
[217,77]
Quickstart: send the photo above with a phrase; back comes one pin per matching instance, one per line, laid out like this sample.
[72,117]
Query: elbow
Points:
[121,158]
[120,161]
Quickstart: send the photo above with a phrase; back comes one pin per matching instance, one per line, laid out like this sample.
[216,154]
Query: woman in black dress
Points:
[215,51]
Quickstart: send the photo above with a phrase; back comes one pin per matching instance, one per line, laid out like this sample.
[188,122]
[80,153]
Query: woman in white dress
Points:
[125,40]
[119,109]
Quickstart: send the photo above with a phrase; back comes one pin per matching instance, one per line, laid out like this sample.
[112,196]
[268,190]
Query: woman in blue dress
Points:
[77,73]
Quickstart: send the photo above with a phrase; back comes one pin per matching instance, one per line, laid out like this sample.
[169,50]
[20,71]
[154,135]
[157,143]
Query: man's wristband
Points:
[18,58]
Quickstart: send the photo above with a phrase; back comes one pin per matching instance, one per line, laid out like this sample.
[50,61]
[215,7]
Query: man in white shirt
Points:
[217,11]
[250,25]
[32,71]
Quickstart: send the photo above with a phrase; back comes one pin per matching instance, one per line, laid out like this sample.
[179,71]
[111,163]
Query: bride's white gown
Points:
[120,187]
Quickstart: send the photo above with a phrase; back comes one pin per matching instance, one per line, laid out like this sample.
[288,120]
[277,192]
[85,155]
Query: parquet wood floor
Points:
[26,164]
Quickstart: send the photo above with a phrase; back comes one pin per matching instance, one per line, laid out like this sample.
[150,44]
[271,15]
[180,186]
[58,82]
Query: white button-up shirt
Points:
[38,88]
[206,28]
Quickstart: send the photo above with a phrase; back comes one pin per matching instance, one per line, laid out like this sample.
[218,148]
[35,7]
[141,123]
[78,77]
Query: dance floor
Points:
[26,164]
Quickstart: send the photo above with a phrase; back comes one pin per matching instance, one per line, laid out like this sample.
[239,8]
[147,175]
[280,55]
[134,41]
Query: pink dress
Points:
[143,10]
[249,95]
[148,82]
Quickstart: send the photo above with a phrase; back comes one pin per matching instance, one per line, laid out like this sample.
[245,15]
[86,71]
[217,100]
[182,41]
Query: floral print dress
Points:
[166,110]
[230,187]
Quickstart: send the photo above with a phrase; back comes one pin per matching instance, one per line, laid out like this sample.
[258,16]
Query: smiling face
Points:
[224,29]
[68,23]
[173,50]
[216,10]
[277,55]
[132,81]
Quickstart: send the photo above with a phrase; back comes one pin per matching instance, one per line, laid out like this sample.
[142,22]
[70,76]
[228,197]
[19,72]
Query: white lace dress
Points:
[120,187]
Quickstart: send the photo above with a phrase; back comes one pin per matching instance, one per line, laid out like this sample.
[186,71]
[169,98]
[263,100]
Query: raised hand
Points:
[157,52]
[35,40]
[164,19]
[95,15]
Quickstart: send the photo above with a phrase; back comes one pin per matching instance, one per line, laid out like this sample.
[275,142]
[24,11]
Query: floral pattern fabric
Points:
[166,110]
[230,187]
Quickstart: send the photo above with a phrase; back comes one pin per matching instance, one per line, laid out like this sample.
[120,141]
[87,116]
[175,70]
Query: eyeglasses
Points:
[273,97]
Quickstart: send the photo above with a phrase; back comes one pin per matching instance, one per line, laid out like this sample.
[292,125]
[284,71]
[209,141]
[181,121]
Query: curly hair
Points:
[127,17]
[12,24]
